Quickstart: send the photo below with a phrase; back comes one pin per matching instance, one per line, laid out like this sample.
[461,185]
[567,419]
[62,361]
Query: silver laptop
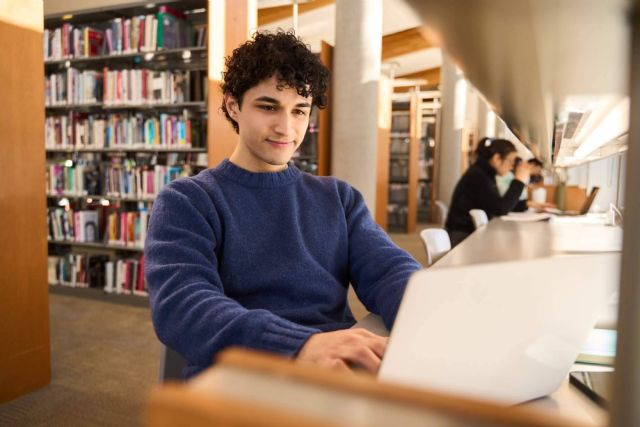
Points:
[506,332]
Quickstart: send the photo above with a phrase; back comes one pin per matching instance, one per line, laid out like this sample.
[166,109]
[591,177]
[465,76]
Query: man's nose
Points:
[283,124]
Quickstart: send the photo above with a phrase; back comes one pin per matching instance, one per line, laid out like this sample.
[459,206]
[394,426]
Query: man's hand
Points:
[345,349]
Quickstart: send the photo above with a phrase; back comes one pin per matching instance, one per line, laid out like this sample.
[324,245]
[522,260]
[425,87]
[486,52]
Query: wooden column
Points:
[24,300]
[324,116]
[385,90]
[230,24]
[415,116]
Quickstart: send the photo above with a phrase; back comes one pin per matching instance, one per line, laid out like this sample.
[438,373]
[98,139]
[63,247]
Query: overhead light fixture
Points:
[67,17]
[604,128]
[460,102]
[409,82]
[490,124]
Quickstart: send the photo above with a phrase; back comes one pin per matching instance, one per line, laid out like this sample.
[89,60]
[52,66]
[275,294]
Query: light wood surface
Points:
[272,14]
[574,196]
[24,300]
[252,389]
[382,156]
[403,42]
[414,148]
[221,138]
[431,75]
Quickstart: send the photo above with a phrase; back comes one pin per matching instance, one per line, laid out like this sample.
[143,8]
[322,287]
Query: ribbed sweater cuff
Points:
[285,337]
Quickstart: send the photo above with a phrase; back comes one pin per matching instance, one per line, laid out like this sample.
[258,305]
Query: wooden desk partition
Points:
[574,198]
[24,299]
[250,389]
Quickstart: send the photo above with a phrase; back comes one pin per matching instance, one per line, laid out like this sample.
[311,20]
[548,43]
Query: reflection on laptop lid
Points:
[507,332]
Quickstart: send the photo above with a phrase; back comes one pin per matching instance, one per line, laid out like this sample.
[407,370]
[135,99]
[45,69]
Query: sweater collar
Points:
[486,167]
[257,179]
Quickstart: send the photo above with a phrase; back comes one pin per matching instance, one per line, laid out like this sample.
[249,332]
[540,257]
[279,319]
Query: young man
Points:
[255,253]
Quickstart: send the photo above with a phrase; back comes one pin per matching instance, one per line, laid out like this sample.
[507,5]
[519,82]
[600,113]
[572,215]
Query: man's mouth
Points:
[278,142]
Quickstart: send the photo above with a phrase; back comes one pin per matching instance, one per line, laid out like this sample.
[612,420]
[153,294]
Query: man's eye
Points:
[267,107]
[300,112]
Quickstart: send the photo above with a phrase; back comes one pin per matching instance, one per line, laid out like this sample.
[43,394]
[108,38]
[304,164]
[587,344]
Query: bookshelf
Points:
[414,119]
[125,113]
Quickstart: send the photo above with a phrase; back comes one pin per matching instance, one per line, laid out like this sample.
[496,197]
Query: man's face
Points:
[272,125]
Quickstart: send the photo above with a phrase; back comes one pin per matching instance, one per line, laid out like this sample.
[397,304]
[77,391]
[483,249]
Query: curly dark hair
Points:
[279,54]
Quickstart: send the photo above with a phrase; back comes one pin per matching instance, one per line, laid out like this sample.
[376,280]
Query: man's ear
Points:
[232,106]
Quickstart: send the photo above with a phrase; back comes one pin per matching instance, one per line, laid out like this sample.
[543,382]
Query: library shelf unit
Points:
[125,113]
[414,119]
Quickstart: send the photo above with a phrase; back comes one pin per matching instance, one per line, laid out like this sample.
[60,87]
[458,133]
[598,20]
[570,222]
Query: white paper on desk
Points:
[526,216]
[576,237]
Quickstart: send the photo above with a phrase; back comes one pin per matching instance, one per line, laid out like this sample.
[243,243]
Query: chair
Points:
[171,364]
[436,242]
[479,218]
[443,211]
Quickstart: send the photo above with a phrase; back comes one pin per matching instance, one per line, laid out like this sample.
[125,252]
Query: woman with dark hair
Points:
[477,188]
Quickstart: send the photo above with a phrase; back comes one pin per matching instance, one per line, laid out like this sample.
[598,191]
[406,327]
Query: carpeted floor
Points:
[105,359]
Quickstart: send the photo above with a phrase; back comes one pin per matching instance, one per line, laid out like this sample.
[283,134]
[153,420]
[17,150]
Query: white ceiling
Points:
[319,24]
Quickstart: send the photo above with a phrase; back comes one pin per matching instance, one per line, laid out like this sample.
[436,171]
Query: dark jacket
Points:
[477,189]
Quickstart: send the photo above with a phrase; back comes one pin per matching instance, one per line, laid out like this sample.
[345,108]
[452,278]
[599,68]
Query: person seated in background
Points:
[535,179]
[536,166]
[477,188]
[254,252]
[503,182]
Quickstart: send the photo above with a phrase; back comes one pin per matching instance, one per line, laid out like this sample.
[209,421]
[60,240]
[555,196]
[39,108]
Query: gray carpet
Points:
[104,360]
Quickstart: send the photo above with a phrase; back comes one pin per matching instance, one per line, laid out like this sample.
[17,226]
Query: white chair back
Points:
[479,218]
[443,211]
[436,242]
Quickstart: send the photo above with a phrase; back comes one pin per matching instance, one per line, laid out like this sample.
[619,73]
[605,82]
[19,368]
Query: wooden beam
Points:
[404,42]
[273,14]
[431,75]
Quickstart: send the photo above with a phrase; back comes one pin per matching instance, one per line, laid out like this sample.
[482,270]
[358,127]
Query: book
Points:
[172,28]
[600,348]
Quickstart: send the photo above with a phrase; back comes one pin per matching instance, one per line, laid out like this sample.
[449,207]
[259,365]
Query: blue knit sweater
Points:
[263,260]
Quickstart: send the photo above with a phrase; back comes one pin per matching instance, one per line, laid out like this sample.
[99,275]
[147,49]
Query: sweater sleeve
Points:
[190,311]
[494,205]
[378,269]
